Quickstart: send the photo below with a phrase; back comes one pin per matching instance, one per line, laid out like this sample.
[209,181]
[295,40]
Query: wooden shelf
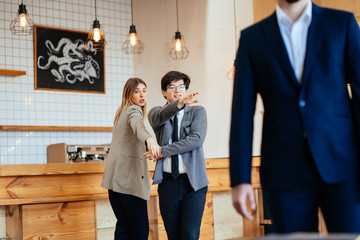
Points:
[8,72]
[54,128]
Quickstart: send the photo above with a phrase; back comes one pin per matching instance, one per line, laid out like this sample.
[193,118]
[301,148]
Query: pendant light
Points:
[22,25]
[178,48]
[133,44]
[96,36]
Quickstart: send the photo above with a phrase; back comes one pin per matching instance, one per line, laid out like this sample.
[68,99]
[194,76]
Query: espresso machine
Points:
[63,153]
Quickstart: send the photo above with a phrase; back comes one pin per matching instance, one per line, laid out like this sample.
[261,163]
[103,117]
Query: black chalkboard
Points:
[63,62]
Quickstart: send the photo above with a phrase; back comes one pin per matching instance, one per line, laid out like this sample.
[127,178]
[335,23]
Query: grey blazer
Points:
[126,169]
[192,135]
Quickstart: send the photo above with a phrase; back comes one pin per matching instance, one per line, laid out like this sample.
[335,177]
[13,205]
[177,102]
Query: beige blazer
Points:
[126,169]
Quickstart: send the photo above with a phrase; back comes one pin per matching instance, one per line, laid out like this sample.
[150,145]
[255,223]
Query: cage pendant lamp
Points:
[22,24]
[96,37]
[133,44]
[178,48]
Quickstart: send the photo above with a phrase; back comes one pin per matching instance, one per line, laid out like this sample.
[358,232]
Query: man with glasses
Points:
[181,173]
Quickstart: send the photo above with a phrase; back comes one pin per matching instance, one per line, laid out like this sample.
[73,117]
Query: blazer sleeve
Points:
[159,115]
[352,64]
[243,109]
[136,121]
[195,139]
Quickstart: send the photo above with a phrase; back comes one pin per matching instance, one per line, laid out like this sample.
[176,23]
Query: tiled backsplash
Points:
[20,104]
[30,147]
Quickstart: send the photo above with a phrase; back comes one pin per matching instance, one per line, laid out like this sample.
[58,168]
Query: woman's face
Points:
[139,95]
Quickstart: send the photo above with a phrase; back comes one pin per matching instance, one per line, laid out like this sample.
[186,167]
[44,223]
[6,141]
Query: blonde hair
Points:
[126,102]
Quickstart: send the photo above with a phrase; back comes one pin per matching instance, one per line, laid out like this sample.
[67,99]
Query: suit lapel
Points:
[272,34]
[313,43]
[186,118]
[168,126]
[166,132]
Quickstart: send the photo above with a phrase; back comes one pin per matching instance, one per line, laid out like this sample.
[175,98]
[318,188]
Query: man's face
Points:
[291,1]
[175,90]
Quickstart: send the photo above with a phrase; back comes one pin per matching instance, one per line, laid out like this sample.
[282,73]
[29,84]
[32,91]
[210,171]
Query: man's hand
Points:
[187,99]
[152,158]
[240,195]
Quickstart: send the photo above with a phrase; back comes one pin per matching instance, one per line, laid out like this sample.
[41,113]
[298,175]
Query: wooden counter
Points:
[51,201]
[59,182]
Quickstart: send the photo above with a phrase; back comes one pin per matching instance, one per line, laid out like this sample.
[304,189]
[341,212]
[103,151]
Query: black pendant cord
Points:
[95,11]
[177,15]
[132,18]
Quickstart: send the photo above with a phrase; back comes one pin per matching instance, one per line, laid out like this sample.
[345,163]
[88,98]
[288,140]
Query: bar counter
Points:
[58,182]
[58,200]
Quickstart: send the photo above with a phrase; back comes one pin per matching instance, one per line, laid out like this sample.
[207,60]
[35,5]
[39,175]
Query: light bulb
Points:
[132,39]
[178,46]
[97,35]
[23,22]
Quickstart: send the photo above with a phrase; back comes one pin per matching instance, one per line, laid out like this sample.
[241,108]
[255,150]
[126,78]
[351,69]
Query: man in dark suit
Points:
[300,60]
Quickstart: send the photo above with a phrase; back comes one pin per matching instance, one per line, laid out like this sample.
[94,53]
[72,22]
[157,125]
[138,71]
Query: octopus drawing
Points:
[74,62]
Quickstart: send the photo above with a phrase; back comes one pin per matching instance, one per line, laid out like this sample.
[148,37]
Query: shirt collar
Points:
[179,114]
[284,19]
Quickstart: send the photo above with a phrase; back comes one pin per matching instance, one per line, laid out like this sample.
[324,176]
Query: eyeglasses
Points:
[173,87]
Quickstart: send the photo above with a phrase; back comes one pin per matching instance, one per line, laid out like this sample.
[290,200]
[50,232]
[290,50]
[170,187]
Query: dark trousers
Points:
[295,210]
[131,214]
[181,207]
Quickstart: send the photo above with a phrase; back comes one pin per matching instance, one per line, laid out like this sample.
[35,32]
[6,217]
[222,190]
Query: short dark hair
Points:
[174,76]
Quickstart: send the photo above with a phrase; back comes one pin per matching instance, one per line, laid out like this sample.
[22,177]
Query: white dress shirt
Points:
[167,161]
[295,35]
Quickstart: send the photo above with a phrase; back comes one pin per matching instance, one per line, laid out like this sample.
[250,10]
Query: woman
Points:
[126,174]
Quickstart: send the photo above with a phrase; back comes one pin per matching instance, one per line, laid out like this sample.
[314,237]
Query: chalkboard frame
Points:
[71,66]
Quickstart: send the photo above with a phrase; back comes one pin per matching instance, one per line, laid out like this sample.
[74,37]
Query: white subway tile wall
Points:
[21,104]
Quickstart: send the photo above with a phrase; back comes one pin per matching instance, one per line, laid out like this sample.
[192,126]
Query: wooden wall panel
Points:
[263,8]
[160,222]
[154,214]
[59,221]
[207,223]
[348,5]
[252,228]
[13,222]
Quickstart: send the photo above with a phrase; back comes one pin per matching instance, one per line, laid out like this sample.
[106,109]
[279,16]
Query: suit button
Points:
[302,103]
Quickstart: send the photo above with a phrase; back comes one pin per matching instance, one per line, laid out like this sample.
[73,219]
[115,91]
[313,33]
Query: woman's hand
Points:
[187,99]
[150,157]
[154,150]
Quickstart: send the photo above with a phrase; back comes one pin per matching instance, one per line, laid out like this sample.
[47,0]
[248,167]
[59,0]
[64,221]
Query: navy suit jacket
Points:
[318,109]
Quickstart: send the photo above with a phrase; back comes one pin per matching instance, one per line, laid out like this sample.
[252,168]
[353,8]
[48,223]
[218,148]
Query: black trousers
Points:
[131,214]
[181,207]
[295,210]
